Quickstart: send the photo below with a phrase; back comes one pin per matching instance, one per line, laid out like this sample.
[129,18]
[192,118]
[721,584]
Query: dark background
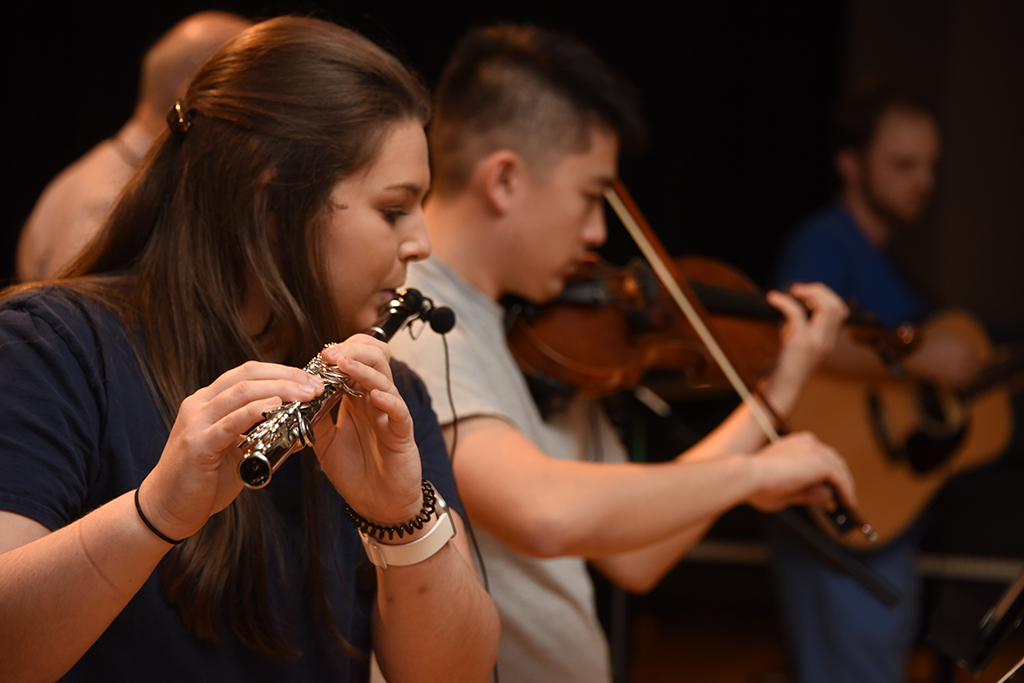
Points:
[737,96]
[736,99]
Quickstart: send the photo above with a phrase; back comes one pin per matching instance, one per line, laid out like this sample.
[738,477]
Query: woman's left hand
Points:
[805,340]
[370,454]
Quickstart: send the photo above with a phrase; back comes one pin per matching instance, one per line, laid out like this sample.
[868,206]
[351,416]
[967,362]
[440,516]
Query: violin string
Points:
[705,335]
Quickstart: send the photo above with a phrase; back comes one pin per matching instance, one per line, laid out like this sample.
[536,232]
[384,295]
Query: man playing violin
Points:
[525,139]
[886,148]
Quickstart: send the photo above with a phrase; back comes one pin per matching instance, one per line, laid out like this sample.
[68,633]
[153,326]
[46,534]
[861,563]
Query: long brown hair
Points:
[231,209]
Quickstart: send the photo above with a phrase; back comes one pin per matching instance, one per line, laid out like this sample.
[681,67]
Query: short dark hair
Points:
[529,89]
[862,105]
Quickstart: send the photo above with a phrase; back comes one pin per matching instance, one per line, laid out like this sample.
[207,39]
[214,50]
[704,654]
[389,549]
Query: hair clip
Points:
[180,120]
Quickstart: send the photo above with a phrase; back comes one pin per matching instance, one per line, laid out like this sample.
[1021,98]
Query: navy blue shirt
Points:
[830,248]
[81,426]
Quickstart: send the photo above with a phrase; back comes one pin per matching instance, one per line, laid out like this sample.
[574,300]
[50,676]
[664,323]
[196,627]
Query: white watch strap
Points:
[405,554]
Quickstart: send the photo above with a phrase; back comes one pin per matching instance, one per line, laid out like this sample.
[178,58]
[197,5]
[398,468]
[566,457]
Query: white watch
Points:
[425,546]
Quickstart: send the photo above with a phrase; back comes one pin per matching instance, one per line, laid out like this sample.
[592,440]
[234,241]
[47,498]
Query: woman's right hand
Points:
[196,476]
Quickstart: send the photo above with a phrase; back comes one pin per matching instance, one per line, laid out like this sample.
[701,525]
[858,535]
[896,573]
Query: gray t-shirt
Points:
[549,626]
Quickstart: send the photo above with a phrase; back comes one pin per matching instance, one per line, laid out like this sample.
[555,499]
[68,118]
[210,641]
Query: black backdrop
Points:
[736,98]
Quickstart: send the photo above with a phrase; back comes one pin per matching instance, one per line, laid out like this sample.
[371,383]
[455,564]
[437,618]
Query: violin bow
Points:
[629,213]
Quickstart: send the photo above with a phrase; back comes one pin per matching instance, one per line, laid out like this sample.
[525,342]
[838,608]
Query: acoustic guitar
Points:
[903,439]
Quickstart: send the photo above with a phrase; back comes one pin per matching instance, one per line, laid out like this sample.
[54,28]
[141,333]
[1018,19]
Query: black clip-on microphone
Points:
[411,304]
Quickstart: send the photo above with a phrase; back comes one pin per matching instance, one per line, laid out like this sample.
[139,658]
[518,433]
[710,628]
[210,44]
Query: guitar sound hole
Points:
[925,453]
[937,437]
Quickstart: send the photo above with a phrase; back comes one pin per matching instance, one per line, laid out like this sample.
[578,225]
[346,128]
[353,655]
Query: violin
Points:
[687,354]
[612,325]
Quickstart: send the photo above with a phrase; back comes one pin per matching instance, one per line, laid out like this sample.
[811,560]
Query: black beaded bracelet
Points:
[370,529]
[150,524]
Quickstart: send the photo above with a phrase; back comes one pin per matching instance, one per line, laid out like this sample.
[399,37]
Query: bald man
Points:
[75,204]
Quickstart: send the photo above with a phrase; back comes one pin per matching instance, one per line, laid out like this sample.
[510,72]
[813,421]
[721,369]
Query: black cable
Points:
[455,441]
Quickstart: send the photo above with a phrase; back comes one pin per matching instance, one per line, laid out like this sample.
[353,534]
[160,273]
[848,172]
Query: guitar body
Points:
[874,423]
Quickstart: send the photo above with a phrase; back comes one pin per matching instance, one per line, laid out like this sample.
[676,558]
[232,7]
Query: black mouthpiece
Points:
[405,305]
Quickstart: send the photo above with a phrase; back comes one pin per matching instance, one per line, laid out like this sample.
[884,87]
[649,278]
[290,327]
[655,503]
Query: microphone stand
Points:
[970,634]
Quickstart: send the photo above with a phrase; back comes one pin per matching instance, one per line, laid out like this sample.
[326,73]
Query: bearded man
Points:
[887,144]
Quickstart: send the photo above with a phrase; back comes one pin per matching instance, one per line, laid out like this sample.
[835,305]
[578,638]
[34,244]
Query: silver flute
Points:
[289,428]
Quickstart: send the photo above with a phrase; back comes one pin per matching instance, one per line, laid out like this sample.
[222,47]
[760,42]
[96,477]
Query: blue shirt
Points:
[831,249]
